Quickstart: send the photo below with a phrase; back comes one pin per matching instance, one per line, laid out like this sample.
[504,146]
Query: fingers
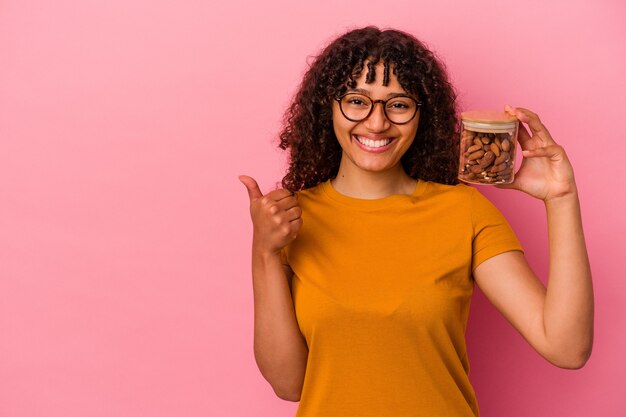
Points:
[276,216]
[554,152]
[523,136]
[532,120]
[288,222]
[295,227]
[294,213]
[254,192]
[279,194]
[539,131]
[287,203]
[286,208]
[282,205]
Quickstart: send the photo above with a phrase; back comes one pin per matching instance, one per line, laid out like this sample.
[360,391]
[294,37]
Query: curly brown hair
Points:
[308,131]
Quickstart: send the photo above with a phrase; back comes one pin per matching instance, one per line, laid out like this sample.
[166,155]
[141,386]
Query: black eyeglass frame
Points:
[418,105]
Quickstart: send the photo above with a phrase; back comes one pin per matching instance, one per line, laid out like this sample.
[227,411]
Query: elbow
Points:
[571,365]
[572,352]
[288,390]
[293,396]
[573,361]
[577,362]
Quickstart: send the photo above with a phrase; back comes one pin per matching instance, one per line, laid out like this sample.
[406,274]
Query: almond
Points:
[498,168]
[504,157]
[476,155]
[474,148]
[487,159]
[476,169]
[505,173]
[495,149]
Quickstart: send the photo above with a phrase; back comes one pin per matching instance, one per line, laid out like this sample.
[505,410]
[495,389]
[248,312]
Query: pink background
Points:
[125,285]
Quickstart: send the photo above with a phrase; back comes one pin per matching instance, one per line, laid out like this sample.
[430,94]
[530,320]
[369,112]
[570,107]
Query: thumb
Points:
[253,188]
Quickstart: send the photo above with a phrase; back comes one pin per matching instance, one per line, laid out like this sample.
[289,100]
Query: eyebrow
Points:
[367,93]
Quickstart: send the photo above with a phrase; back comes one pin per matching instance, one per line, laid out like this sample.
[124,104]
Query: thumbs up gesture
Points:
[276,217]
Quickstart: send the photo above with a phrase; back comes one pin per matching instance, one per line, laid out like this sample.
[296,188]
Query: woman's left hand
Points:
[546,172]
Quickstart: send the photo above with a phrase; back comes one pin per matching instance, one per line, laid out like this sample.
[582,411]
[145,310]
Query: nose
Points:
[377,121]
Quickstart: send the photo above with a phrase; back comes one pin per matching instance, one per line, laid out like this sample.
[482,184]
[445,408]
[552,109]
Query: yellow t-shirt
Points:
[382,290]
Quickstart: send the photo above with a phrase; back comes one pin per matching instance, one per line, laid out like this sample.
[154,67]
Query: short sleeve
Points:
[492,233]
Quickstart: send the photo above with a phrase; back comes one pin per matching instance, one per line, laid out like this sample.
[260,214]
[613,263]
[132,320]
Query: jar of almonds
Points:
[488,142]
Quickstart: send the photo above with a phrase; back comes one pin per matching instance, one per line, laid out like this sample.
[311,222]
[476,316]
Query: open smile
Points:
[373,144]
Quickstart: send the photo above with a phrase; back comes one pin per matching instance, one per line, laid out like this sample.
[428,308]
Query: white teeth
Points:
[373,143]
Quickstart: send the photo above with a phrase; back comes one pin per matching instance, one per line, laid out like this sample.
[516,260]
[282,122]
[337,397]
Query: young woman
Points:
[364,263]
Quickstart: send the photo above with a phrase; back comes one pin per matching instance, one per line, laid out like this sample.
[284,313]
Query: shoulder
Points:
[312,191]
[311,194]
[460,198]
[458,193]
[459,188]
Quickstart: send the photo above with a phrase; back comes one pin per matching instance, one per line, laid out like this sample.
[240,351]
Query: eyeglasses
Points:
[399,109]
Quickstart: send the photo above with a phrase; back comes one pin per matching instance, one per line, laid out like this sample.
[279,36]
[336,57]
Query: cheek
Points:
[336,114]
[412,131]
[341,126]
[342,135]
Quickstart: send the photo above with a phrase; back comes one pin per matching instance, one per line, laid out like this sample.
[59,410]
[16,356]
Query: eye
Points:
[400,105]
[356,101]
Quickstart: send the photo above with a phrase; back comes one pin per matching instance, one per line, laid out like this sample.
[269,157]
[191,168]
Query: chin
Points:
[375,167]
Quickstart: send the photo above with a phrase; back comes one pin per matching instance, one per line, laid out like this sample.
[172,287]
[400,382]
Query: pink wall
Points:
[124,233]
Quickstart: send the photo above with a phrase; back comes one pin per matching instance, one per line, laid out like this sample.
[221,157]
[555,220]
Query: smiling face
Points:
[374,144]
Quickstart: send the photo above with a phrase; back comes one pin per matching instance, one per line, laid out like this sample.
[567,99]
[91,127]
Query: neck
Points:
[369,185]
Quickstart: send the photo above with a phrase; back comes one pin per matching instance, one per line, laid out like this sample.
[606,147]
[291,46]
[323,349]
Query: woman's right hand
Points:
[276,217]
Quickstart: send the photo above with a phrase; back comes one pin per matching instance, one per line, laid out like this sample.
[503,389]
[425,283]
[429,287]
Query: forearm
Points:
[279,347]
[568,309]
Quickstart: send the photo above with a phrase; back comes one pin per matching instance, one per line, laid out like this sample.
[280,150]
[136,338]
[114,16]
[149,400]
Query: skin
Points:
[557,321]
[371,175]
[280,350]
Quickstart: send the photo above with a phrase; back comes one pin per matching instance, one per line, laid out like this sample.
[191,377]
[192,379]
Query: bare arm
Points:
[557,321]
[280,349]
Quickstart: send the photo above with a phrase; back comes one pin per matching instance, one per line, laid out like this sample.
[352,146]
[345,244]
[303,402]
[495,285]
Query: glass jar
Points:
[487,151]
